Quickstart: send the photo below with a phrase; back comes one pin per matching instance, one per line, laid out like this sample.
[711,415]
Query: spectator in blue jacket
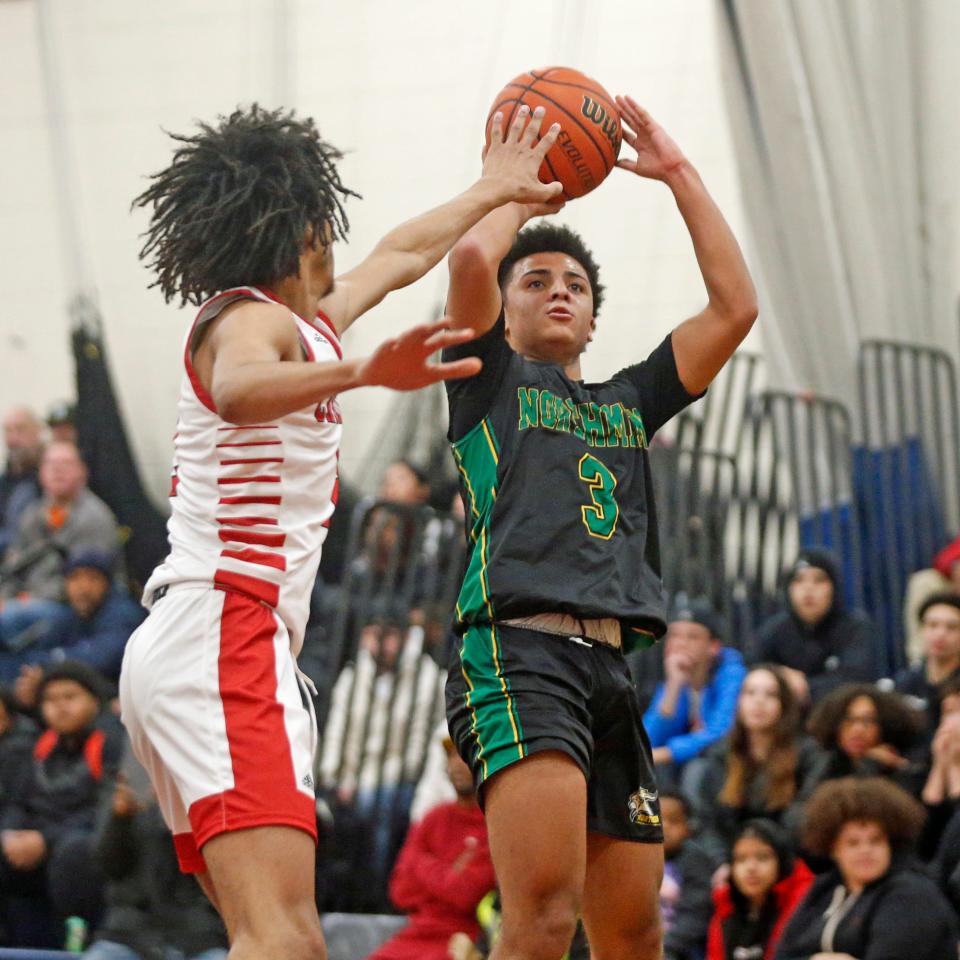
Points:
[695,706]
[93,626]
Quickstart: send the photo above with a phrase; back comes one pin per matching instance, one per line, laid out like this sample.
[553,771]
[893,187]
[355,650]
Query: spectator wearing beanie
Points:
[47,830]
[766,885]
[873,902]
[821,645]
[695,706]
[939,619]
[92,626]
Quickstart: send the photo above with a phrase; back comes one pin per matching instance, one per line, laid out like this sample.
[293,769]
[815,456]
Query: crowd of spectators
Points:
[808,800]
[82,855]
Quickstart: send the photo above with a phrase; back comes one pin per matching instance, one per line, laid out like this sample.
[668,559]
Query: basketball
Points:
[589,142]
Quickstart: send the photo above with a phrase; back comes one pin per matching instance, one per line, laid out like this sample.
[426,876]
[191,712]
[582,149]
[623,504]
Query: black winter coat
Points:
[61,790]
[687,935]
[841,648]
[150,903]
[901,916]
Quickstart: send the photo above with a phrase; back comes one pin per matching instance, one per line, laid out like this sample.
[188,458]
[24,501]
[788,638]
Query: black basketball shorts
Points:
[513,692]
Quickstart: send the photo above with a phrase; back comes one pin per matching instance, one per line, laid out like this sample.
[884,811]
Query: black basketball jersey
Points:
[556,481]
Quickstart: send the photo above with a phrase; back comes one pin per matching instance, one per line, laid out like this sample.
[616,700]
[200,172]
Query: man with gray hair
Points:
[19,485]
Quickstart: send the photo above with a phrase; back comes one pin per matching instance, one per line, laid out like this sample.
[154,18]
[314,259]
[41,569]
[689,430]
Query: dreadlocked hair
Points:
[237,202]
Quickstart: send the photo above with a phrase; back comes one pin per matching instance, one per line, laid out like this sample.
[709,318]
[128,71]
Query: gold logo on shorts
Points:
[640,809]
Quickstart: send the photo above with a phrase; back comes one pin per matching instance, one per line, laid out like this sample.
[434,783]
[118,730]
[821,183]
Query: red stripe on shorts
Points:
[265,789]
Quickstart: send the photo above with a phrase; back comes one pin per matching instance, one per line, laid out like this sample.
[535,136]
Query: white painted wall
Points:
[403,86]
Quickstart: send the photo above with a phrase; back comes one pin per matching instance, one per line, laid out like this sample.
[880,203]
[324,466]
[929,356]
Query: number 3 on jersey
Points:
[600,517]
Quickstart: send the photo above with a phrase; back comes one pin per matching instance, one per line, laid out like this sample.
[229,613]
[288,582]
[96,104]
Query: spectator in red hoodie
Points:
[443,871]
[766,885]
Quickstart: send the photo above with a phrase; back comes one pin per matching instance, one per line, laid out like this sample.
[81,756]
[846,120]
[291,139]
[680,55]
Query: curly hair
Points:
[781,764]
[860,800]
[899,725]
[550,238]
[238,201]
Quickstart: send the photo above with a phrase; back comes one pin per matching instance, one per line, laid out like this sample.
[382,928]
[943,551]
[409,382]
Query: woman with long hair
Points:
[765,767]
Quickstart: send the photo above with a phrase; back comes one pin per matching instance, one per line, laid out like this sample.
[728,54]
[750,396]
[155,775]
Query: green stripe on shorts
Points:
[495,719]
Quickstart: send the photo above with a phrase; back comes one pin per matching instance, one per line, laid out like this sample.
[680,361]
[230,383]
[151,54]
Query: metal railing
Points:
[908,469]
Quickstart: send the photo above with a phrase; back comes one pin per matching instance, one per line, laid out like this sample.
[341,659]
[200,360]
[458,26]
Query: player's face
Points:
[759,704]
[549,307]
[862,852]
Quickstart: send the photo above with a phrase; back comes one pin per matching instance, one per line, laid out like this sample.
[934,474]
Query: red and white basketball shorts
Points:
[210,696]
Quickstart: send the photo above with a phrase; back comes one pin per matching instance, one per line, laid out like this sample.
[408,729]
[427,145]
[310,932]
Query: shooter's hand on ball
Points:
[512,163]
[657,155]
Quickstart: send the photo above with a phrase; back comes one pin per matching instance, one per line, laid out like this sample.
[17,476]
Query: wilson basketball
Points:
[589,142]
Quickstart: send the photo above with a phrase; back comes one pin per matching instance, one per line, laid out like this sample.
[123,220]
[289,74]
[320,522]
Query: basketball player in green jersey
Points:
[564,573]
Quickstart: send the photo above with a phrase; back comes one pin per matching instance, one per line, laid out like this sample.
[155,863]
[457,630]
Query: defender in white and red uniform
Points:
[209,689]
[250,510]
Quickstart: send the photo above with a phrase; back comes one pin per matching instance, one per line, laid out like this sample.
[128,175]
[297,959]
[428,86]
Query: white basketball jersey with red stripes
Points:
[251,504]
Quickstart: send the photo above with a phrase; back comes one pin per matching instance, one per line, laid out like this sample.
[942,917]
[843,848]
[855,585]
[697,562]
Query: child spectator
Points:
[695,706]
[47,829]
[868,732]
[685,890]
[872,902]
[443,872]
[765,768]
[766,885]
[820,644]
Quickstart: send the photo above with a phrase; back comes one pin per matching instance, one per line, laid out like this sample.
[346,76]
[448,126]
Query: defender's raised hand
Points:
[657,155]
[512,162]
[403,362]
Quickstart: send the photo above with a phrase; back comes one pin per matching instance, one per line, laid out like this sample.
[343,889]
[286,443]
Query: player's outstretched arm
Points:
[405,254]
[473,297]
[704,343]
[244,362]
